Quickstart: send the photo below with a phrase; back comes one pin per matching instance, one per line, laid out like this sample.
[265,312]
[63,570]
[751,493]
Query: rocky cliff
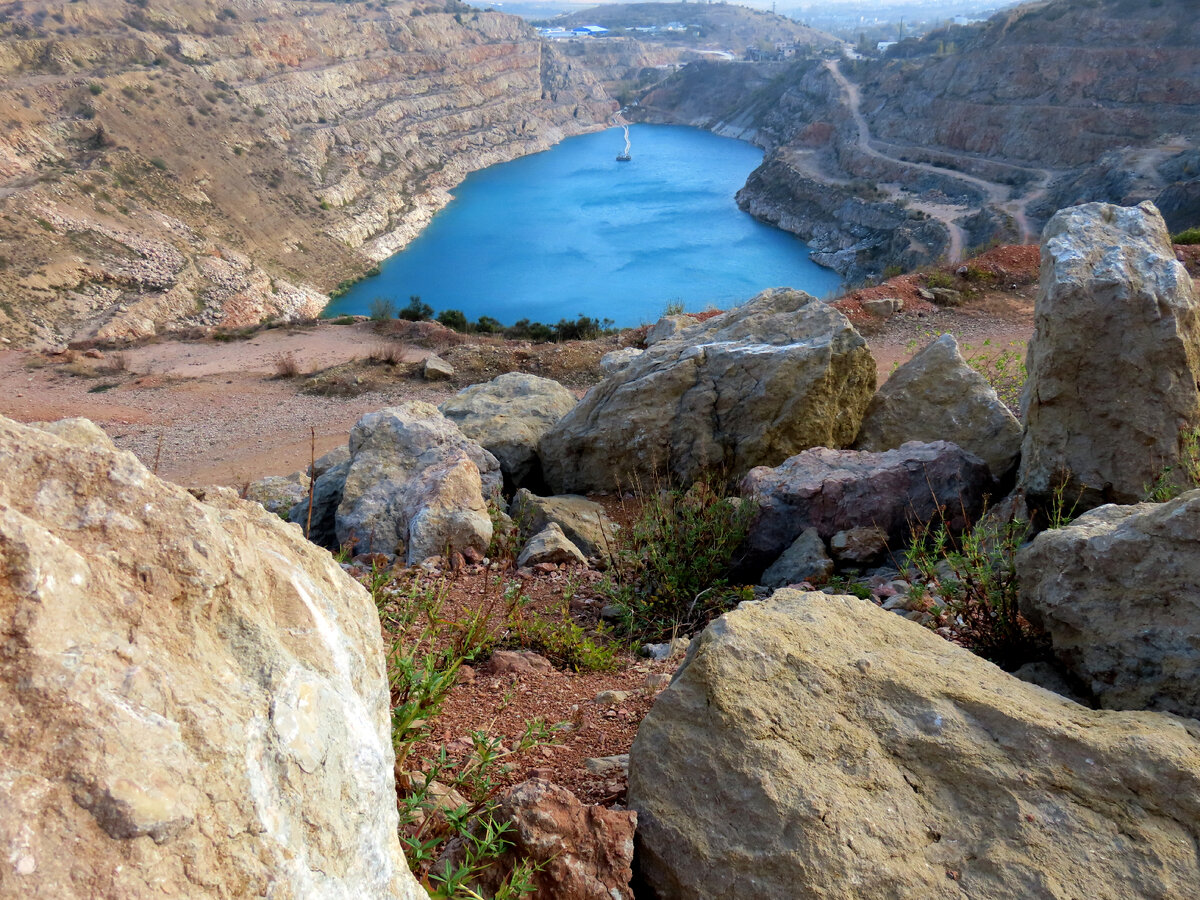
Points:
[219,163]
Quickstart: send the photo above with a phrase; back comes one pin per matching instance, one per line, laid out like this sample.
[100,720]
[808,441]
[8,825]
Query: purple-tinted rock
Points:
[836,490]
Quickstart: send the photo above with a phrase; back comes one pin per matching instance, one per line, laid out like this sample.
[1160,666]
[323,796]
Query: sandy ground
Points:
[214,412]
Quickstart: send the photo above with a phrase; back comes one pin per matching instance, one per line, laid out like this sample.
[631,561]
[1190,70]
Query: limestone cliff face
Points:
[218,163]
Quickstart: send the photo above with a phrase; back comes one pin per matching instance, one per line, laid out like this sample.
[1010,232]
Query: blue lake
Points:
[572,230]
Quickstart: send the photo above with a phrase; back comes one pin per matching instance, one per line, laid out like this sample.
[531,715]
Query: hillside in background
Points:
[192,161]
[967,136]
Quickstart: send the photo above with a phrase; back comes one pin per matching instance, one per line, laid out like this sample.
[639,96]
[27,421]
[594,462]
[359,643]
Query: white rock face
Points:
[817,746]
[193,700]
[415,486]
[1116,592]
[1115,358]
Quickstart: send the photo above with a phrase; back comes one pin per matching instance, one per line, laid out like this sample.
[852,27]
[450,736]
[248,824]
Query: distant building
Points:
[556,34]
[883,46]
[590,31]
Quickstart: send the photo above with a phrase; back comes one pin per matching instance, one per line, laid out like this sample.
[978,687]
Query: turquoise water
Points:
[571,231]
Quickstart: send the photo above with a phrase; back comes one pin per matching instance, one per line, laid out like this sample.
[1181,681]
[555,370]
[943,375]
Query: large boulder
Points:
[1114,361]
[936,396]
[508,416]
[193,698]
[836,490]
[817,746]
[779,374]
[1117,592]
[415,486]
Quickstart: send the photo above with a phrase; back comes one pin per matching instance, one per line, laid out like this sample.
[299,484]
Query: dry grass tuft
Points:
[286,364]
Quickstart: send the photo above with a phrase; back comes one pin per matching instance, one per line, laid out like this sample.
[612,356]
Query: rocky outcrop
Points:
[1115,591]
[781,373]
[218,164]
[616,360]
[666,328]
[1114,361]
[836,490]
[936,396]
[820,746]
[507,416]
[805,560]
[584,522]
[192,697]
[550,545]
[1047,84]
[581,852]
[415,486]
[850,228]
[279,493]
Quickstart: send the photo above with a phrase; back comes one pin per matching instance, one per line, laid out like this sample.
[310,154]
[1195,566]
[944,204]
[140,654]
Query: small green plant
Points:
[973,578]
[96,89]
[893,271]
[451,796]
[556,636]
[382,309]
[939,279]
[674,308]
[671,567]
[1168,486]
[159,163]
[1005,371]
[1187,236]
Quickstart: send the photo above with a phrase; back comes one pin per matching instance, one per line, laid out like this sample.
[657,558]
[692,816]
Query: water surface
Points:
[571,231]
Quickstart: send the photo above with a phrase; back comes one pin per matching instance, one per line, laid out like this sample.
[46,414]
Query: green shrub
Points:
[671,567]
[488,325]
[382,309]
[453,318]
[159,163]
[1005,371]
[556,636]
[1167,486]
[939,279]
[416,311]
[1188,236]
[973,580]
[96,89]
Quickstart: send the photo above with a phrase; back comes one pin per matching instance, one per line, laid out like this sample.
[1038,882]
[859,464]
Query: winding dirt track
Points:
[998,195]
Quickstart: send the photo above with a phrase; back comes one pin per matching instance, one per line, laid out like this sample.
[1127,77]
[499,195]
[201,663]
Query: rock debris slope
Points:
[192,698]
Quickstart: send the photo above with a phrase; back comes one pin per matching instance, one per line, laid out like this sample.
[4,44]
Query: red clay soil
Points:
[501,703]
